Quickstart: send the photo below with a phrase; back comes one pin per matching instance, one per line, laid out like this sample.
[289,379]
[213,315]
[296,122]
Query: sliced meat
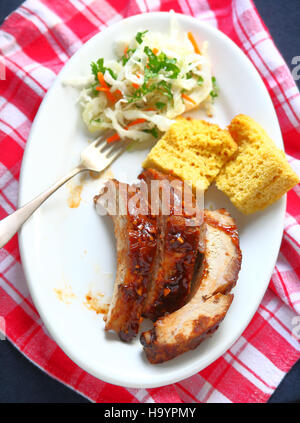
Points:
[167,341]
[222,255]
[136,246]
[186,328]
[176,248]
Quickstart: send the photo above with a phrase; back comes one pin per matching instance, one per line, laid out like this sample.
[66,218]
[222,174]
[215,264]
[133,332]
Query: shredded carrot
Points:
[125,51]
[186,97]
[104,87]
[155,51]
[118,92]
[135,122]
[138,75]
[102,80]
[111,97]
[193,41]
[136,86]
[116,136]
[101,89]
[150,109]
[113,138]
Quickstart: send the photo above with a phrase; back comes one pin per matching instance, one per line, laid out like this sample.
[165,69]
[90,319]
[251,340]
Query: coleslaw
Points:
[155,78]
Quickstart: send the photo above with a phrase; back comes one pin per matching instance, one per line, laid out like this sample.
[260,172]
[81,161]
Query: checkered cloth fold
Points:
[36,41]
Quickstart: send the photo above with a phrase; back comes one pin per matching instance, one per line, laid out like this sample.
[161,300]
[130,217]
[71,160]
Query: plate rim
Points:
[22,242]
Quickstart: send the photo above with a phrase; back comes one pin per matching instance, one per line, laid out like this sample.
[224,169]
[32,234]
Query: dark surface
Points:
[20,380]
[282,18]
[289,389]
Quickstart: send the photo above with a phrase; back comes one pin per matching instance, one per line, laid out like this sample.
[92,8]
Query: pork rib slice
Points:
[187,327]
[136,245]
[176,250]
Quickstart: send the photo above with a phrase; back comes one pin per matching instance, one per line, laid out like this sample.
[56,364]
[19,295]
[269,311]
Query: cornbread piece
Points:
[176,253]
[136,246]
[193,150]
[258,174]
[187,327]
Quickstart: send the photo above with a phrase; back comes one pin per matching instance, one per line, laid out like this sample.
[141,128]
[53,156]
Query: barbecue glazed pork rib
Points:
[136,246]
[177,246]
[187,327]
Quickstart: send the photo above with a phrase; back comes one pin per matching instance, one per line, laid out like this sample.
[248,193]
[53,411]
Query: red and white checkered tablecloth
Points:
[36,41]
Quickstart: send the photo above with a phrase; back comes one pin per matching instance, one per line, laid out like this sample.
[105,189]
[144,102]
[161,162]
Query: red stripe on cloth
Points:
[250,371]
[7,302]
[165,394]
[19,294]
[288,330]
[223,14]
[292,238]
[7,58]
[22,322]
[115,394]
[31,40]
[270,343]
[286,293]
[20,136]
[291,255]
[11,152]
[293,205]
[92,10]
[49,29]
[62,367]
[187,392]
[223,377]
[12,247]
[81,26]
[22,90]
[64,9]
[241,21]
[239,389]
[167,5]
[291,143]
[7,200]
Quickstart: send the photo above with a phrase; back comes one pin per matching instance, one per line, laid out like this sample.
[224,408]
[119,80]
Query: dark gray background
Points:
[20,380]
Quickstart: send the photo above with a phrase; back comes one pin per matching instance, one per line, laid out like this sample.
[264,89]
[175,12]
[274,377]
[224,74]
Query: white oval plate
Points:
[60,245]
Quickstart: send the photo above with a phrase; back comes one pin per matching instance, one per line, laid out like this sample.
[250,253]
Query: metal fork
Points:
[96,157]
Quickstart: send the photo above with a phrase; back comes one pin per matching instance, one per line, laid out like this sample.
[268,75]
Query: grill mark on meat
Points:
[136,245]
[172,283]
[215,274]
[176,254]
[201,328]
[187,327]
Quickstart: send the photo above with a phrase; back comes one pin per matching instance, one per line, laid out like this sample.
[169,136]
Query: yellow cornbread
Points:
[193,150]
[258,174]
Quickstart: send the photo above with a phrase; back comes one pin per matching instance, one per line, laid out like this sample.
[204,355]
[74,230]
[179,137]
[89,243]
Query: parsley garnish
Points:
[139,36]
[140,92]
[160,62]
[93,88]
[166,88]
[160,105]
[153,132]
[99,67]
[127,56]
[215,91]
[200,81]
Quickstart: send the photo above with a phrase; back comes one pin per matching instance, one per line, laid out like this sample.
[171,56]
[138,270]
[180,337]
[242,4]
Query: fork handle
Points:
[12,223]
